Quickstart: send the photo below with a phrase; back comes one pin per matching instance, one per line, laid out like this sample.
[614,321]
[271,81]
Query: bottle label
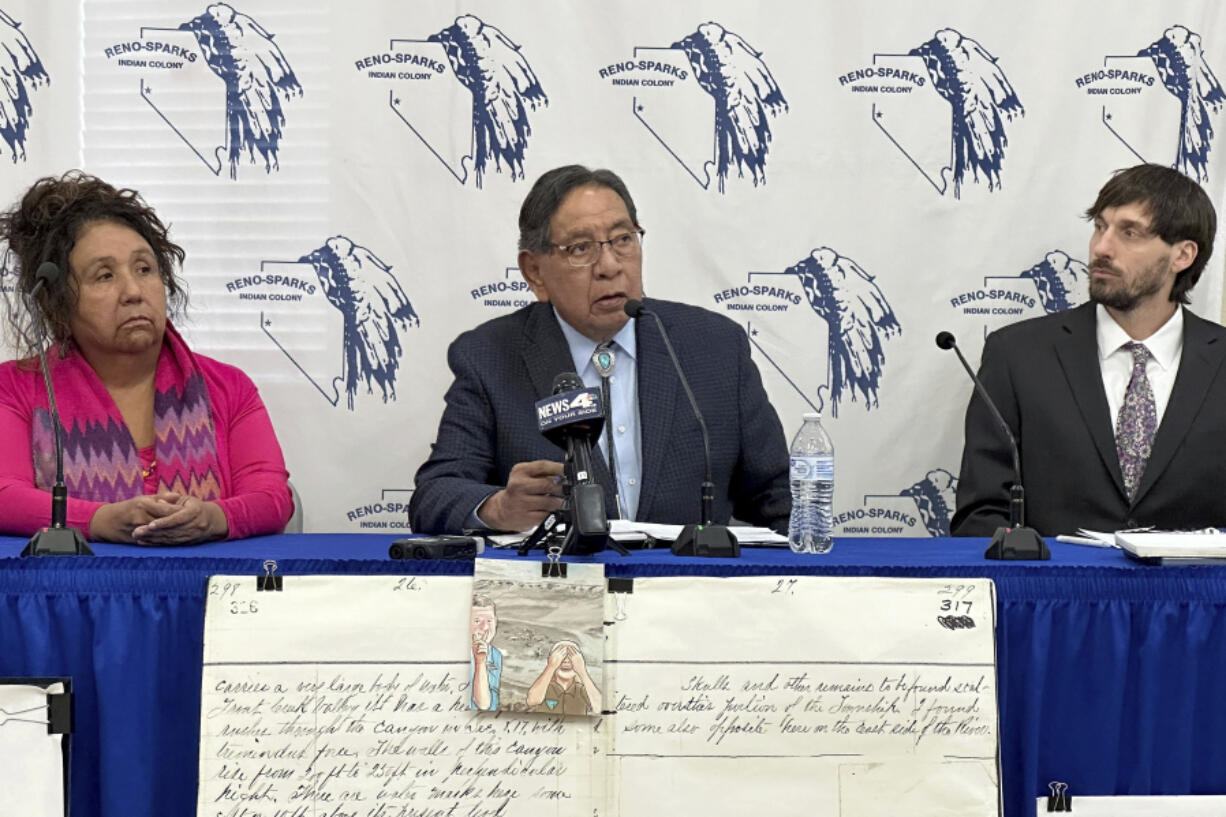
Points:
[812,467]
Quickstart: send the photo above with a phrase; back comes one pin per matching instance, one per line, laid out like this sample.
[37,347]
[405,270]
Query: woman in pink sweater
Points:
[161,446]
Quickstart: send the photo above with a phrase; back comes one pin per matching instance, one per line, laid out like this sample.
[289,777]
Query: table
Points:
[1112,675]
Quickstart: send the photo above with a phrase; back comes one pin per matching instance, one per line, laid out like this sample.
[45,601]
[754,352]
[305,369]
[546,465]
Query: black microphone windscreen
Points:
[48,272]
[633,307]
[946,340]
[567,381]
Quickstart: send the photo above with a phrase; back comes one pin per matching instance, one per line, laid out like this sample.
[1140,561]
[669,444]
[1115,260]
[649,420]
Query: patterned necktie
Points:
[604,360]
[1137,421]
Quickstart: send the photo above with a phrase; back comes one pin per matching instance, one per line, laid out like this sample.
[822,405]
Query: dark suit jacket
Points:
[505,365]
[1045,377]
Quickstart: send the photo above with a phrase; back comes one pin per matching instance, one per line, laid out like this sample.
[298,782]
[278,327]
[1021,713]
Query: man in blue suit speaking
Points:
[581,252]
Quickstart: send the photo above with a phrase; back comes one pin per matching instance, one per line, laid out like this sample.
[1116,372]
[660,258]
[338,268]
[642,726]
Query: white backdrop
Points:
[845,181]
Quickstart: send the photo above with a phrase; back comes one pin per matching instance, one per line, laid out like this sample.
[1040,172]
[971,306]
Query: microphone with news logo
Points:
[57,539]
[571,418]
[704,538]
[1015,542]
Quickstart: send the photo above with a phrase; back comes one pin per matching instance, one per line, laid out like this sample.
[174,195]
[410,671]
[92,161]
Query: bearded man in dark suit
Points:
[1118,406]
[581,253]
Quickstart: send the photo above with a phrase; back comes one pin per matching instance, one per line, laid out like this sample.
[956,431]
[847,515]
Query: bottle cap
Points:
[813,415]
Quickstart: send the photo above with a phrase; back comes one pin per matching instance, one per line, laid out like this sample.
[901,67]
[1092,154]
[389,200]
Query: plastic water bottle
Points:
[811,529]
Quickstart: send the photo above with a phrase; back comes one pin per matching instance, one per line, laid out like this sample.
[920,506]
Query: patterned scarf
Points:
[101,463]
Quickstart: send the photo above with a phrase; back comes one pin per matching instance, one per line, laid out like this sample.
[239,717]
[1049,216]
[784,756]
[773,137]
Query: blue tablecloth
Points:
[1112,674]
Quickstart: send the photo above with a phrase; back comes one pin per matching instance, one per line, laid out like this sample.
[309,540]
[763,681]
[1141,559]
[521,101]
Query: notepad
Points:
[1206,546]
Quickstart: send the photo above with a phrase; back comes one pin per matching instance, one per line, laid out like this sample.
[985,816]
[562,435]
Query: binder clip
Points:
[59,713]
[621,585]
[555,568]
[620,589]
[1059,799]
[269,581]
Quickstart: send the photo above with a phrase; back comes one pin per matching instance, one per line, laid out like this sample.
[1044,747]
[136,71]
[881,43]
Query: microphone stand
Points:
[705,538]
[580,523]
[1016,542]
[57,539]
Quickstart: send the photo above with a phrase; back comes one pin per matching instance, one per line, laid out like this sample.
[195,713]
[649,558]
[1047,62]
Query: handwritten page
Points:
[348,697]
[31,760]
[849,696]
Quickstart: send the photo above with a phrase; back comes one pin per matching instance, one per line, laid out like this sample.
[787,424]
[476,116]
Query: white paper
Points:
[808,693]
[31,761]
[1089,537]
[1185,806]
[625,530]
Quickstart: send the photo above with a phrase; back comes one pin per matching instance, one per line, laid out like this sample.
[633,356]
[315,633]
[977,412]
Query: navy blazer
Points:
[1045,377]
[505,365]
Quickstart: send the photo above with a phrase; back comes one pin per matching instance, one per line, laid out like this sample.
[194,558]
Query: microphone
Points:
[47,275]
[1015,542]
[58,539]
[705,538]
[571,419]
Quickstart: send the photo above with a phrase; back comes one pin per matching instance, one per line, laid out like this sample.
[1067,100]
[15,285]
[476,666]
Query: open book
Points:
[793,695]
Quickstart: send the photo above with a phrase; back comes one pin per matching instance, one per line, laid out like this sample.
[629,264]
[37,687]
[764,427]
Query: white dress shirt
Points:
[1165,349]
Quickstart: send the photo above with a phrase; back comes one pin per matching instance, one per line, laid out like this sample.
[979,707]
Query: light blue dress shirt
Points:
[624,409]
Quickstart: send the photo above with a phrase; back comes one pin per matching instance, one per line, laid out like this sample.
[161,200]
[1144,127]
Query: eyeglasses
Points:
[624,246]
